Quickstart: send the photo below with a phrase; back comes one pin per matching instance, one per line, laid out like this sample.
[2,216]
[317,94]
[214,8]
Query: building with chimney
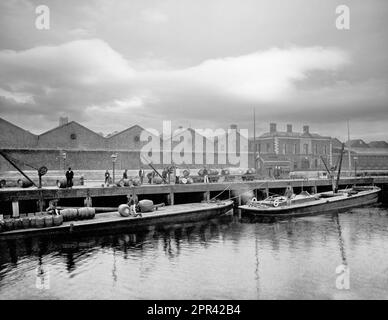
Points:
[279,152]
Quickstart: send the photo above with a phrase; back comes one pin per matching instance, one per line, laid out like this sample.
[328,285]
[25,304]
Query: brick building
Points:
[279,152]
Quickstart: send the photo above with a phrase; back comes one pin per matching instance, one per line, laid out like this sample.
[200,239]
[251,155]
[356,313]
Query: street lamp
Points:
[64,160]
[114,158]
[355,166]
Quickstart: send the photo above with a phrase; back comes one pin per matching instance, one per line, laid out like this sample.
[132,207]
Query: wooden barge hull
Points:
[165,216]
[321,206]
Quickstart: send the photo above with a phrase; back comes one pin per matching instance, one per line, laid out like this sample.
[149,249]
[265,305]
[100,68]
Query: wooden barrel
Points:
[17,223]
[57,220]
[33,222]
[39,222]
[250,171]
[213,172]
[124,210]
[225,172]
[158,180]
[26,222]
[86,213]
[146,205]
[8,224]
[61,184]
[23,183]
[186,173]
[48,221]
[2,183]
[182,180]
[190,180]
[136,181]
[69,214]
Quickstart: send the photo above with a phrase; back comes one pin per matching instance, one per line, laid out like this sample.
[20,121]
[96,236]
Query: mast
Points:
[350,160]
[339,168]
[254,138]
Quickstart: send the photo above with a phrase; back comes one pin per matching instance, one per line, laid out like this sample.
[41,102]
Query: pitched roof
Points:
[378,144]
[357,143]
[69,123]
[16,127]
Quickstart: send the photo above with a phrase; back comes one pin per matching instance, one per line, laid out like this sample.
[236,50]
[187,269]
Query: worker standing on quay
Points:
[150,176]
[107,177]
[125,174]
[69,178]
[205,175]
[141,175]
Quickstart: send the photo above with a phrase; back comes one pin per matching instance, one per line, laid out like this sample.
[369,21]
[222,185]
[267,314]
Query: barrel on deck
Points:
[48,221]
[86,213]
[146,205]
[69,214]
[26,222]
[57,220]
[124,210]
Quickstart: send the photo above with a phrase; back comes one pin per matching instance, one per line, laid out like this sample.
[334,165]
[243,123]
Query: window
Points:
[316,163]
[73,136]
[268,147]
[259,147]
[316,149]
[284,149]
[295,148]
[306,148]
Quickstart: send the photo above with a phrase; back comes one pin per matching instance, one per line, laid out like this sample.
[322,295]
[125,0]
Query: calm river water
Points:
[229,258]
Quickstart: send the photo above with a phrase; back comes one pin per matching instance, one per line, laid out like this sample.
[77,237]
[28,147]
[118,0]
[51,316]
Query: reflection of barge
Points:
[306,204]
[174,214]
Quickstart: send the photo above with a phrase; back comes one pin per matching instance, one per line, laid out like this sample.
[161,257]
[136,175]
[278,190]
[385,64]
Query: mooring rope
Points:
[246,191]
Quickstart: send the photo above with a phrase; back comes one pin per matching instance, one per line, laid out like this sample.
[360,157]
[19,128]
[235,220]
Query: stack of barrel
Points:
[32,220]
[78,214]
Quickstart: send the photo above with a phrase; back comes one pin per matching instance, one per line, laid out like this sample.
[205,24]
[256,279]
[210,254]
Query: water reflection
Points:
[232,257]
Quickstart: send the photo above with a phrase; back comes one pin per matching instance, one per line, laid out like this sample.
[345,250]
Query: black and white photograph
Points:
[213,151]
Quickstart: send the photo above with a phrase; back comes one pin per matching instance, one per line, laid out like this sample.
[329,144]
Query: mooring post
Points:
[88,200]
[40,202]
[15,209]
[170,198]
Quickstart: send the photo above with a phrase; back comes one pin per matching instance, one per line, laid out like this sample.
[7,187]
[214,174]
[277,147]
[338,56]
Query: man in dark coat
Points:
[69,178]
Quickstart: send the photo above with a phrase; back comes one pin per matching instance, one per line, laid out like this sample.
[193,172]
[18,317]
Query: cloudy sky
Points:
[204,64]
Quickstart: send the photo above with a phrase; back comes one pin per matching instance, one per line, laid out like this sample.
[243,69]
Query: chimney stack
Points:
[306,129]
[272,127]
[289,128]
[63,121]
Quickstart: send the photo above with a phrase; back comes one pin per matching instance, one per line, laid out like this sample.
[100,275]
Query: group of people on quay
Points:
[153,177]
